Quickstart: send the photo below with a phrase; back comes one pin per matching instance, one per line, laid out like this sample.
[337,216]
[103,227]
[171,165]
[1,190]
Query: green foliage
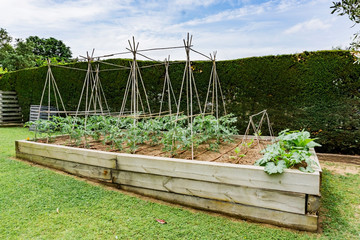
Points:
[45,48]
[351,8]
[3,70]
[18,57]
[34,51]
[5,38]
[317,91]
[292,149]
[119,131]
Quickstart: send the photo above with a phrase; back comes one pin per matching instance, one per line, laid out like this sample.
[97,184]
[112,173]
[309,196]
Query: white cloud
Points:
[230,14]
[311,25]
[236,28]
[192,3]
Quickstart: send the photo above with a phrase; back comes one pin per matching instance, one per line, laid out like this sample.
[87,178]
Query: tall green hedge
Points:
[316,91]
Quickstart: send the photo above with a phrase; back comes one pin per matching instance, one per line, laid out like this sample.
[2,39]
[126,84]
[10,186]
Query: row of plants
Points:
[174,133]
[290,150]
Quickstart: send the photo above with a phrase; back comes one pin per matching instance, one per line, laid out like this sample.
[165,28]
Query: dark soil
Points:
[225,154]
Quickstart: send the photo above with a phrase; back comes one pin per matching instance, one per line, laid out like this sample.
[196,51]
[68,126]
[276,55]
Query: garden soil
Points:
[250,151]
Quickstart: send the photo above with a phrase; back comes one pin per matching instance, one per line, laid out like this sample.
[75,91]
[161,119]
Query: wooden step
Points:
[7,97]
[10,110]
[10,118]
[10,114]
[8,105]
[7,93]
[10,101]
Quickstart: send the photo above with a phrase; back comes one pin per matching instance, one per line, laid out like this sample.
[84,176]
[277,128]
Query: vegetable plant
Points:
[291,150]
[174,133]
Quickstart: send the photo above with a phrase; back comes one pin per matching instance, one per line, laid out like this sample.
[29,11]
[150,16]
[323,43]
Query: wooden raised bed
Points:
[290,199]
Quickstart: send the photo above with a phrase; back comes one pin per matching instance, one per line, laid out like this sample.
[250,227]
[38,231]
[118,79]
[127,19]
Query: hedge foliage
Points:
[316,91]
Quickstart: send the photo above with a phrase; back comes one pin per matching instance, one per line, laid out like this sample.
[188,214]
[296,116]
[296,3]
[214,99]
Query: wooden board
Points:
[9,105]
[279,218]
[237,190]
[8,97]
[10,114]
[7,93]
[9,101]
[10,109]
[290,202]
[70,167]
[77,155]
[11,118]
[235,174]
[353,159]
[314,157]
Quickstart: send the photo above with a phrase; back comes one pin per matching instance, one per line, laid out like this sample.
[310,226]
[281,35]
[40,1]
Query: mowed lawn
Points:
[37,203]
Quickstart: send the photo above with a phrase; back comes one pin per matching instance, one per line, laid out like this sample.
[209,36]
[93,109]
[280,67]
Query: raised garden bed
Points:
[290,199]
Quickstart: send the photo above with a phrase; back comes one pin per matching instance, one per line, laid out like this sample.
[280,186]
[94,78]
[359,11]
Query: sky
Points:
[233,28]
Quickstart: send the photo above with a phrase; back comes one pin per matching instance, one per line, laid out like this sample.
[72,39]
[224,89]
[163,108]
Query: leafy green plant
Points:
[43,127]
[174,133]
[238,153]
[291,150]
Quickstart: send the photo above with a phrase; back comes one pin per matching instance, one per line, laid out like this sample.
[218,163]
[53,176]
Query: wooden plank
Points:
[4,114]
[9,101]
[353,159]
[234,174]
[9,105]
[314,157]
[279,218]
[7,93]
[7,97]
[10,118]
[11,121]
[10,109]
[242,175]
[11,124]
[78,155]
[16,107]
[284,201]
[78,169]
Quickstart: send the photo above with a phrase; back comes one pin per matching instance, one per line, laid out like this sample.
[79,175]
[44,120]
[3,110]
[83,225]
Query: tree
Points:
[18,57]
[348,7]
[351,8]
[50,48]
[30,53]
[4,37]
[14,57]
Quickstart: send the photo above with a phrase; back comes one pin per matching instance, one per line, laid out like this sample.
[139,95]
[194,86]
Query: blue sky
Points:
[234,28]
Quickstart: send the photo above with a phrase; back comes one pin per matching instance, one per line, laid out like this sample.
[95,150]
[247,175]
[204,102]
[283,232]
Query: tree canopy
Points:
[32,52]
[50,48]
[348,7]
[351,8]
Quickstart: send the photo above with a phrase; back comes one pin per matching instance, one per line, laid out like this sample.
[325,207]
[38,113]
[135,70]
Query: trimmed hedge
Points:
[316,91]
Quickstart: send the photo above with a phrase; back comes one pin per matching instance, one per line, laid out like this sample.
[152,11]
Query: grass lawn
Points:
[37,203]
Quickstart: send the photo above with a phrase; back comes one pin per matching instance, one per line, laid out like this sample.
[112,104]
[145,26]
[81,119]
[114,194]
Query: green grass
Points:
[30,196]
